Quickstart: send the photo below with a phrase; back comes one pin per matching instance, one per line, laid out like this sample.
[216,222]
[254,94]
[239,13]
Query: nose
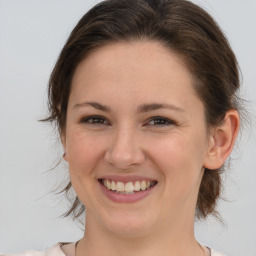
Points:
[124,152]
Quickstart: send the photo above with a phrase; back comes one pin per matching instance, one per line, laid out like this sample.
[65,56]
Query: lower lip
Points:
[122,198]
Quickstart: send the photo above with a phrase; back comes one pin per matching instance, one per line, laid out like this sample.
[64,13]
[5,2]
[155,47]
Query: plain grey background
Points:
[32,33]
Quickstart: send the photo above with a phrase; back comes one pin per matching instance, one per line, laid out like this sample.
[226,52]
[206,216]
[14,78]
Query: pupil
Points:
[98,120]
[159,121]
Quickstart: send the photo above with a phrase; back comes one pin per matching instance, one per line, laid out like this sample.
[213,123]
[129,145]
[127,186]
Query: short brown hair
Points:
[179,25]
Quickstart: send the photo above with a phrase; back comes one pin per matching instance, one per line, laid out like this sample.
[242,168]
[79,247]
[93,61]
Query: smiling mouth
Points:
[127,188]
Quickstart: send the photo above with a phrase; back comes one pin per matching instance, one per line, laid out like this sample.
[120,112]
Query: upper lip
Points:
[125,179]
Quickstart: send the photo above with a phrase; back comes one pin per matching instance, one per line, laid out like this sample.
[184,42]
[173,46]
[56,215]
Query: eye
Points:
[160,121]
[94,120]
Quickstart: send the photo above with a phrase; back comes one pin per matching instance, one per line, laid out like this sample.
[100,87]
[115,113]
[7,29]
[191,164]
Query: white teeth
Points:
[108,184]
[113,185]
[129,187]
[143,185]
[137,186]
[120,186]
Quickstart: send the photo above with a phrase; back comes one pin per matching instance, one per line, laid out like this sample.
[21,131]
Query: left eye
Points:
[94,120]
[160,121]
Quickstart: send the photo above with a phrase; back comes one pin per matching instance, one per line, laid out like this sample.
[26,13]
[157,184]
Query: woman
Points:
[144,97]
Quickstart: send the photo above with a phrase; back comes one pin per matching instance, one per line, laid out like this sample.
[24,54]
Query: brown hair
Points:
[181,26]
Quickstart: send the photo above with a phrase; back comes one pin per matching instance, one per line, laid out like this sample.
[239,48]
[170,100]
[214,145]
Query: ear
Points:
[63,142]
[222,140]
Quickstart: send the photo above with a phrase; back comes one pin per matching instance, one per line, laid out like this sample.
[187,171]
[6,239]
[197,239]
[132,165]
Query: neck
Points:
[177,240]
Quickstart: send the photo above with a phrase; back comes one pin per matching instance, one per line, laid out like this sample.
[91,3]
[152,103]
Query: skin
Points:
[123,76]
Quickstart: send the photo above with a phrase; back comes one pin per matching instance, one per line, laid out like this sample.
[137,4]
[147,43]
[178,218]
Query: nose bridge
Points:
[124,150]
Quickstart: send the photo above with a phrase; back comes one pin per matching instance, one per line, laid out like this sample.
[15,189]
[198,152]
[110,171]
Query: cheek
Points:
[84,155]
[84,152]
[172,156]
[180,160]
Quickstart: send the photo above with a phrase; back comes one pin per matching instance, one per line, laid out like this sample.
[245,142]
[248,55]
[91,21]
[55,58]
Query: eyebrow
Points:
[141,109]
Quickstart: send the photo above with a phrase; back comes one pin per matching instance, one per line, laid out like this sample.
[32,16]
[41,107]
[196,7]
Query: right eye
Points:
[94,120]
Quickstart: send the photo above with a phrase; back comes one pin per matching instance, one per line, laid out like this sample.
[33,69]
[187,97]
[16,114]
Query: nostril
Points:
[124,154]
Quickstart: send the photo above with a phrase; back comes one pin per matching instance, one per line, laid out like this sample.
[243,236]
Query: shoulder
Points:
[215,253]
[53,251]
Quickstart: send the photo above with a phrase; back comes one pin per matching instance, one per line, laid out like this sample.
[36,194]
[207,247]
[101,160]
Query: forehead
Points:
[141,70]
[152,53]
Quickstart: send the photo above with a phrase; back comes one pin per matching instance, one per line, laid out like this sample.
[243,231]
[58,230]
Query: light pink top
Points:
[68,249]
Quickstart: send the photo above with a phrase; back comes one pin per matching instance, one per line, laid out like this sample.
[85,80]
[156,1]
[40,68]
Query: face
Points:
[135,138]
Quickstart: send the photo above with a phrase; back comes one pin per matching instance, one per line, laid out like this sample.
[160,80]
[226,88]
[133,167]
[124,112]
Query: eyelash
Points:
[86,119]
[166,121]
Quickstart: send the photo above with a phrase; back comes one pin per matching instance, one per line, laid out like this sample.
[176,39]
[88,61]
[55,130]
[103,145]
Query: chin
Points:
[129,225]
